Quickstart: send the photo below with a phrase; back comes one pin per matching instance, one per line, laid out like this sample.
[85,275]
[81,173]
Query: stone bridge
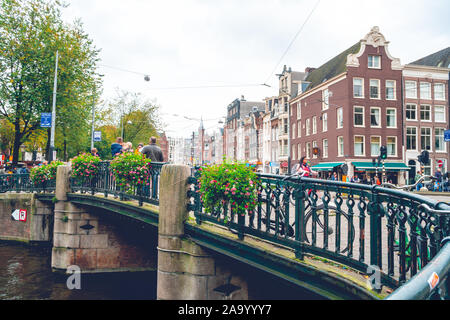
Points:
[195,261]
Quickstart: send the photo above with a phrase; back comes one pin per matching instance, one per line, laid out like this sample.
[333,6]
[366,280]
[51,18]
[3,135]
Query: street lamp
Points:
[52,155]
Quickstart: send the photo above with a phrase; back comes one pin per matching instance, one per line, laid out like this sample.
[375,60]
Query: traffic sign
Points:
[97,136]
[19,215]
[46,120]
[447,135]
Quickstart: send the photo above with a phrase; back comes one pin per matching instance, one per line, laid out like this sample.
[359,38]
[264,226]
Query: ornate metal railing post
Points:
[299,227]
[375,212]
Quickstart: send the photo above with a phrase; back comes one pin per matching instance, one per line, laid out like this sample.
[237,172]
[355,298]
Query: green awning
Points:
[390,166]
[326,166]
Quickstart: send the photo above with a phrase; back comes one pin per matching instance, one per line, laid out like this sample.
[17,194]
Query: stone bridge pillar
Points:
[185,270]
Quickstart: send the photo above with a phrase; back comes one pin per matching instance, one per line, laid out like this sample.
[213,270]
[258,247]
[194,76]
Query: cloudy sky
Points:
[203,54]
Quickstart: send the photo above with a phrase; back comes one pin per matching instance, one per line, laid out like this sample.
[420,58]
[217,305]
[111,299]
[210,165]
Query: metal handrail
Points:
[428,281]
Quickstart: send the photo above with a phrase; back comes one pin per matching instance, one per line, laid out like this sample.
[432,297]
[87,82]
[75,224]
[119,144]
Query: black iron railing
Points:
[105,183]
[23,183]
[364,227]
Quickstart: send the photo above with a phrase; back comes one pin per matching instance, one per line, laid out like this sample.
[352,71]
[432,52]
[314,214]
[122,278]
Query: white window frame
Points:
[444,144]
[340,153]
[308,150]
[325,99]
[378,89]
[299,151]
[325,148]
[394,90]
[369,60]
[308,127]
[314,145]
[431,139]
[314,125]
[395,117]
[299,129]
[442,85]
[415,109]
[363,146]
[379,117]
[324,122]
[299,110]
[363,117]
[395,147]
[340,118]
[362,88]
[293,130]
[443,112]
[379,145]
[424,84]
[415,138]
[413,87]
[430,112]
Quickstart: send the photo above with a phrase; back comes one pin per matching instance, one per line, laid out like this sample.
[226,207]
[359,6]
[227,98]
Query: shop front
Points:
[327,169]
[395,171]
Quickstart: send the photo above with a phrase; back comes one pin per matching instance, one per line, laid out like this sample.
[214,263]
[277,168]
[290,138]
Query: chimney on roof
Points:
[308,70]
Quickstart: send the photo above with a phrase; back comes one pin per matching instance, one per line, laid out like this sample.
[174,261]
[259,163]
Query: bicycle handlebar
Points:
[390,185]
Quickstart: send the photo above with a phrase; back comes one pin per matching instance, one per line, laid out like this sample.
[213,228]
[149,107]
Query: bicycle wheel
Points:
[319,221]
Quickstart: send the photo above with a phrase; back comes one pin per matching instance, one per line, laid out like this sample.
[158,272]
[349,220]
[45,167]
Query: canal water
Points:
[25,274]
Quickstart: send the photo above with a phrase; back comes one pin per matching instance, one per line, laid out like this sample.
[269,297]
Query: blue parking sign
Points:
[447,135]
[97,136]
[46,120]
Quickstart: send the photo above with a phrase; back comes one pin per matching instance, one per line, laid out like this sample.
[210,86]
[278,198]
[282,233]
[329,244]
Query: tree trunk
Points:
[16,147]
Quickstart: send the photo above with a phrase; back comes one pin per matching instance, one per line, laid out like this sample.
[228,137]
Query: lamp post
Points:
[52,155]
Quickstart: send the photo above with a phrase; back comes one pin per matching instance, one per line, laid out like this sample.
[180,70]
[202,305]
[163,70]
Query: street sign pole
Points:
[52,133]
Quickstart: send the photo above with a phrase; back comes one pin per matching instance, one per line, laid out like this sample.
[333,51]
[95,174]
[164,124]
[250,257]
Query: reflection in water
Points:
[25,274]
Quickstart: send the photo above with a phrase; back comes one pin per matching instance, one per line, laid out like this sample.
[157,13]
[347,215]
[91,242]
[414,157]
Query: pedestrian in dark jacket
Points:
[116,147]
[152,151]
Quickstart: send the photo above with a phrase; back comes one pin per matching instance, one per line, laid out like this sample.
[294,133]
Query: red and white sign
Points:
[19,215]
[440,163]
[433,280]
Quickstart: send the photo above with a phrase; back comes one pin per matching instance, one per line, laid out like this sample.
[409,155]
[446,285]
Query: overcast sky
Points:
[192,43]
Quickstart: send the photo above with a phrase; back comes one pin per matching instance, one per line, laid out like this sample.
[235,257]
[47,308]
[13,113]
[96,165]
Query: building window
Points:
[299,129]
[427,168]
[299,111]
[308,150]
[411,138]
[314,146]
[439,143]
[391,145]
[439,91]
[374,89]
[425,113]
[411,112]
[425,90]
[390,89]
[359,145]
[391,118]
[375,144]
[439,113]
[314,125]
[325,148]
[425,139]
[340,118]
[340,146]
[358,116]
[374,62]
[285,126]
[375,117]
[324,122]
[325,99]
[358,88]
[293,130]
[299,151]
[307,127]
[410,89]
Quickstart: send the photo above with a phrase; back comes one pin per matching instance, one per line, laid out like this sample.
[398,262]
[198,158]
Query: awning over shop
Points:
[389,166]
[326,166]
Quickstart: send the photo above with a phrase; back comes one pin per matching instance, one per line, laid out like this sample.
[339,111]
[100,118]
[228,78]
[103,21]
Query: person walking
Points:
[152,151]
[116,147]
[416,178]
[438,184]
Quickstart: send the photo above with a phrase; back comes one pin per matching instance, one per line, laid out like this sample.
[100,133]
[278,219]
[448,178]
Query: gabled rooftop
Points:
[439,59]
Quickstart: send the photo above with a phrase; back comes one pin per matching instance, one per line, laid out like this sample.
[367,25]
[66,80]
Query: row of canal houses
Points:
[340,114]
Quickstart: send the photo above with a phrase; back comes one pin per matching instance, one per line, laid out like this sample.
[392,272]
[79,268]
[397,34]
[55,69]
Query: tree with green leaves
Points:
[31,31]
